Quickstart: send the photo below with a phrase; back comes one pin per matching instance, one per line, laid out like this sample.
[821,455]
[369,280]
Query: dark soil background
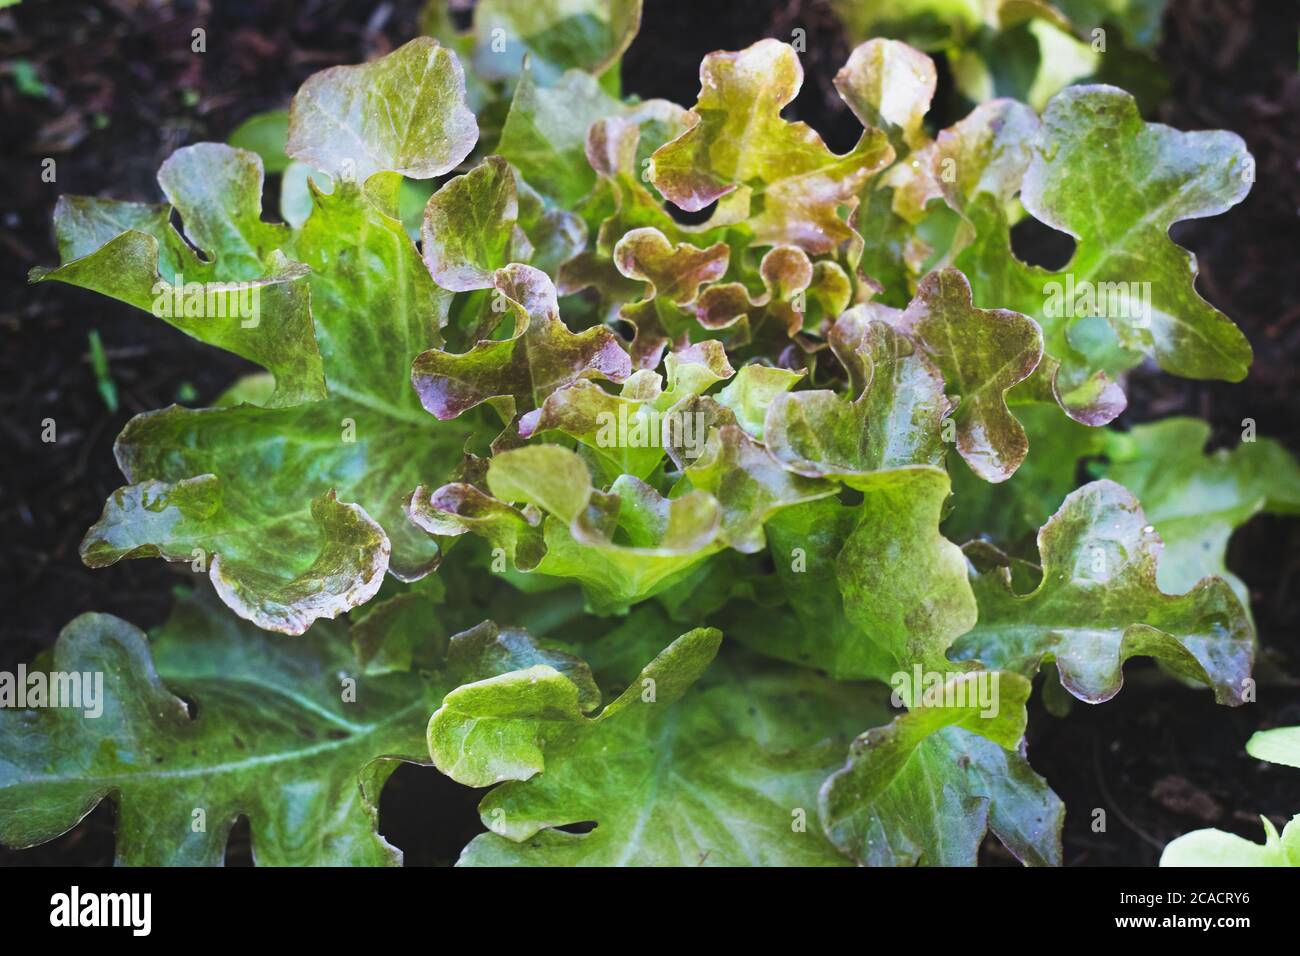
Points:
[112,88]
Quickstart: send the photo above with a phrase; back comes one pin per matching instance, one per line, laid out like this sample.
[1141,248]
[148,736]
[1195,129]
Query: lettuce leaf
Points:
[293,507]
[926,788]
[735,136]
[213,715]
[1197,500]
[695,763]
[1098,604]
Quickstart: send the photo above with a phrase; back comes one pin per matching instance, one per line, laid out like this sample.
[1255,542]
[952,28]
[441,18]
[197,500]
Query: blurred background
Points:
[109,89]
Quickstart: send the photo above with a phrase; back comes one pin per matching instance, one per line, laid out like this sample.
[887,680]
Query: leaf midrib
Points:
[236,766]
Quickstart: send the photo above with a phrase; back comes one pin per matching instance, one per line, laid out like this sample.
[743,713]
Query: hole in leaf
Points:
[685,218]
[239,843]
[1041,245]
[583,826]
[1184,233]
[404,819]
[271,199]
[174,218]
[623,329]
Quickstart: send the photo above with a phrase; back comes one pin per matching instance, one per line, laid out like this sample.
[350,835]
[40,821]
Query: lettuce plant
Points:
[738,537]
[1216,848]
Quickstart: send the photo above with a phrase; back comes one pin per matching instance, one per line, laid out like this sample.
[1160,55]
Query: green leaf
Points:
[926,788]
[547,476]
[928,24]
[617,148]
[554,235]
[1099,604]
[265,134]
[375,305]
[594,417]
[749,484]
[671,276]
[650,281]
[375,309]
[539,357]
[482,221]
[892,418]
[459,507]
[1139,20]
[622,434]
[1063,59]
[264,581]
[752,392]
[243,295]
[904,588]
[1026,49]
[694,369]
[1281,746]
[622,546]
[889,86]
[665,538]
[1196,501]
[982,354]
[294,509]
[296,195]
[488,650]
[985,157]
[545,133]
[903,582]
[403,113]
[628,433]
[470,227]
[685,767]
[1128,289]
[735,136]
[1203,848]
[556,35]
[256,497]
[399,633]
[1122,230]
[798,614]
[274,734]
[872,588]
